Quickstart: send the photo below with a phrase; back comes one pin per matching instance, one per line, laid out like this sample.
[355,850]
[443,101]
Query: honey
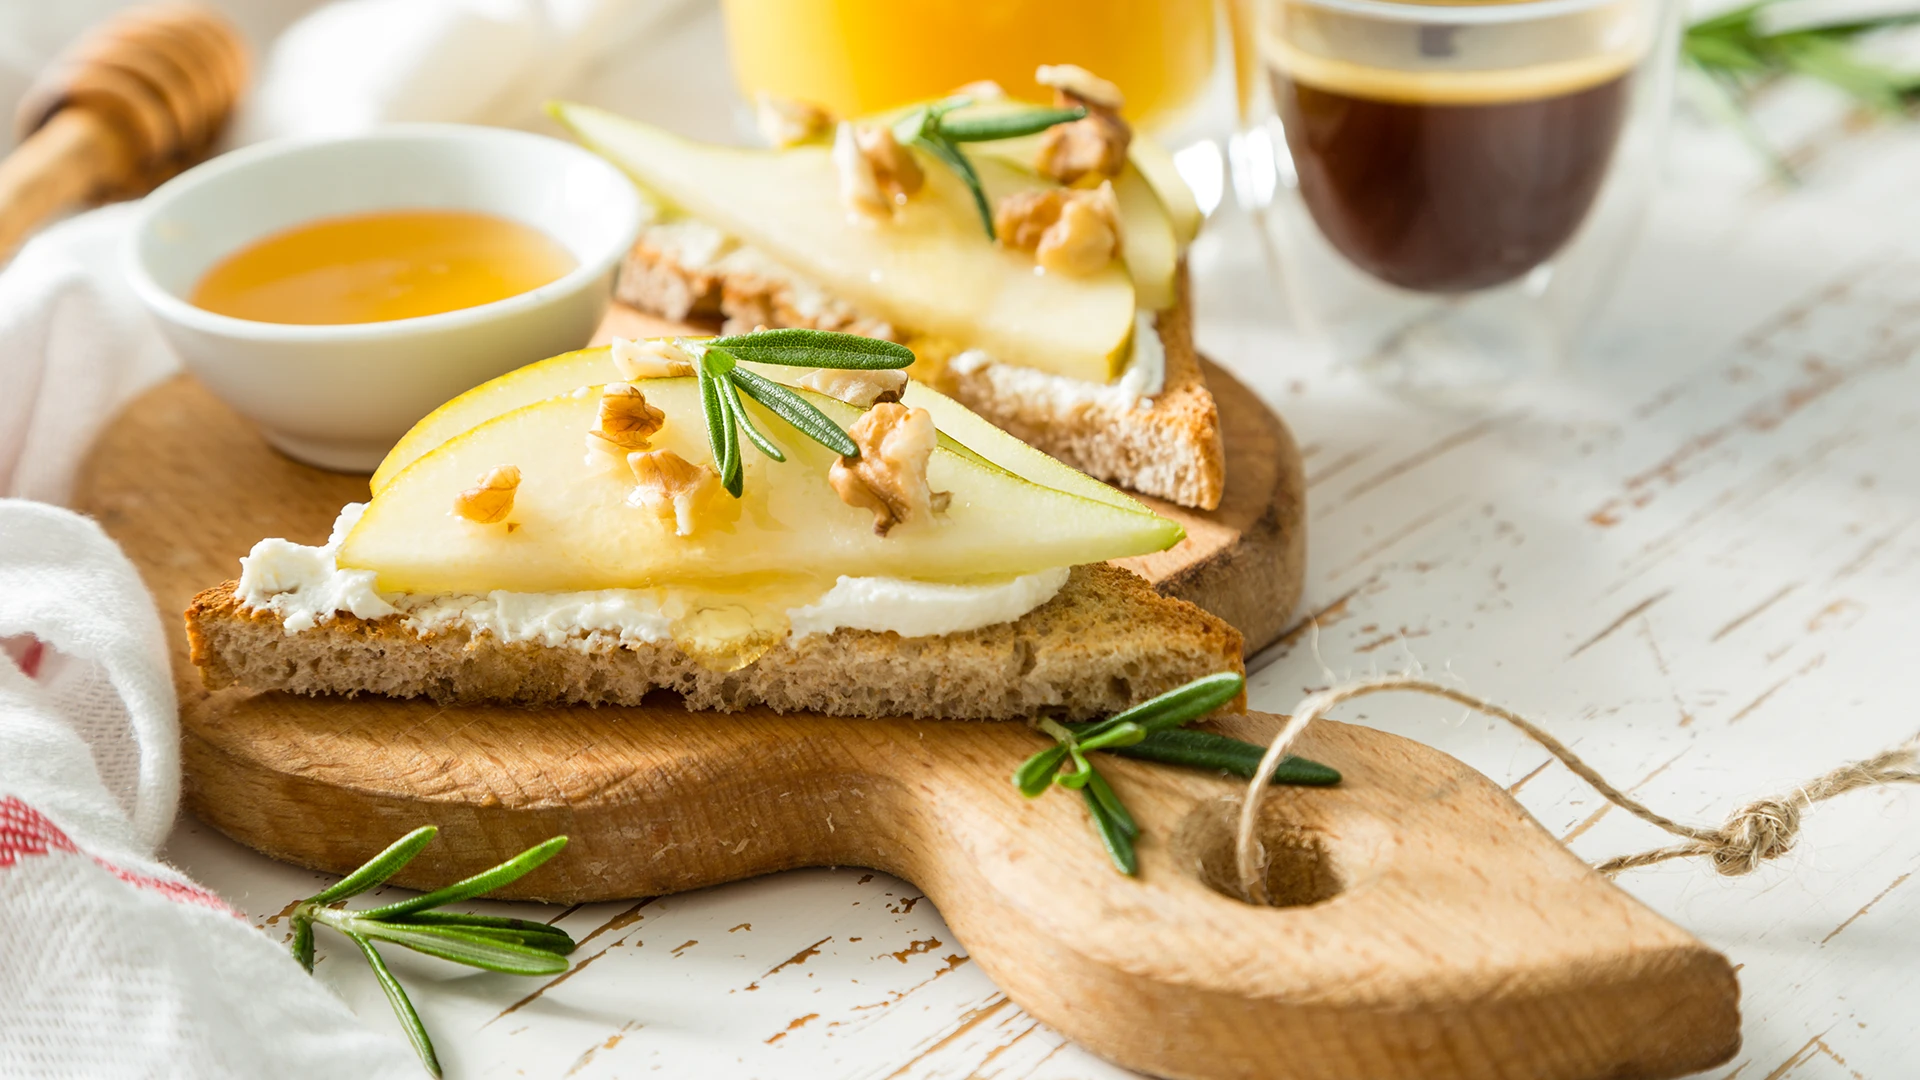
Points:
[377,267]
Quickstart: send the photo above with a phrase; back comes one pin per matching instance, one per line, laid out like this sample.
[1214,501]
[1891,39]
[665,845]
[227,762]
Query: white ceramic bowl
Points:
[340,396]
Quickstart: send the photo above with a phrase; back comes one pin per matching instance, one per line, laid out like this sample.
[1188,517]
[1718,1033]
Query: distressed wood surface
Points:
[1694,556]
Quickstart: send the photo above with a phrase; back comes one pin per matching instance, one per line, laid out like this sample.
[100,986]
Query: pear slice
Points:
[1148,242]
[960,428]
[571,527]
[1152,234]
[520,387]
[931,269]
[1156,165]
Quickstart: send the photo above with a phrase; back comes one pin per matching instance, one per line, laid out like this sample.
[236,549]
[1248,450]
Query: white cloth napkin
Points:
[355,63]
[112,964]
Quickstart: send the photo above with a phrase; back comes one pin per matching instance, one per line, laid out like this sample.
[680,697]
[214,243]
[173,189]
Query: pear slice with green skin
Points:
[586,367]
[931,268]
[520,387]
[572,529]
[1152,234]
[1156,165]
[1147,155]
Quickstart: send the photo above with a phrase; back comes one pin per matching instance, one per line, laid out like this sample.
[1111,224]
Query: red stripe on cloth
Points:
[26,831]
[27,651]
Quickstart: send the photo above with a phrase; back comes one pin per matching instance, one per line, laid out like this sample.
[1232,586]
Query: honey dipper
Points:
[134,101]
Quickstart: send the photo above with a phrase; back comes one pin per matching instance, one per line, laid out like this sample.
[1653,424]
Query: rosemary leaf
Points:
[1119,845]
[1111,736]
[1832,61]
[376,870]
[1081,772]
[1206,750]
[535,935]
[730,394]
[1035,775]
[795,347]
[1110,802]
[402,1007]
[731,477]
[1181,705]
[484,881]
[795,410]
[474,950]
[949,153]
[964,129]
[303,943]
[716,411]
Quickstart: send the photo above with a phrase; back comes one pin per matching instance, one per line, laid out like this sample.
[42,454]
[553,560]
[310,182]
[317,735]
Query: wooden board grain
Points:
[1435,930]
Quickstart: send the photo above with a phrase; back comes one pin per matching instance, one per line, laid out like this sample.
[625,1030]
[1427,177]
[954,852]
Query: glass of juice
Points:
[1450,187]
[855,57]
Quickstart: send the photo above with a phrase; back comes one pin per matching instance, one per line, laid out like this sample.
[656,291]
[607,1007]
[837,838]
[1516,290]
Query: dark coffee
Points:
[1448,197]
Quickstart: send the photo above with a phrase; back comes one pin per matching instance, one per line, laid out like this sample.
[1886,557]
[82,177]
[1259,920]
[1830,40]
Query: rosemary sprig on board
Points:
[513,946]
[1151,731]
[931,129]
[723,380]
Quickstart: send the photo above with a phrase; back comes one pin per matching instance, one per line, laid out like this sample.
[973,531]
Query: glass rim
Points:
[1457,14]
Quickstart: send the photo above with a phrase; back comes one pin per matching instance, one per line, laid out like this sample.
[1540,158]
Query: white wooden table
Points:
[1692,556]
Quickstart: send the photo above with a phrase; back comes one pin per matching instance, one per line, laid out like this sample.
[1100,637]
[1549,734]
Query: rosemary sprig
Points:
[723,381]
[513,946]
[931,129]
[1151,731]
[1741,49]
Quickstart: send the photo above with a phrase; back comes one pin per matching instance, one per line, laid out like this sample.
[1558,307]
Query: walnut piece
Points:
[788,121]
[890,475]
[1082,85]
[1090,149]
[876,172]
[982,90]
[1070,231]
[670,486]
[654,359]
[626,420]
[492,501]
[856,386]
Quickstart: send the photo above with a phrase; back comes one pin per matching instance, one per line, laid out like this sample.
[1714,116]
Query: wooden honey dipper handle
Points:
[136,100]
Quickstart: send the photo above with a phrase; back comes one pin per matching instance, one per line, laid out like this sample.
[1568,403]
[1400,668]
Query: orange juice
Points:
[378,267]
[860,56]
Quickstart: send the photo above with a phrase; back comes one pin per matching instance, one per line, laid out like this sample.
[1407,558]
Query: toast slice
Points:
[1167,445]
[1104,642]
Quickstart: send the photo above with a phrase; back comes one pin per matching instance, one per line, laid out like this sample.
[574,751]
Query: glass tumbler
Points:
[862,56]
[1449,188]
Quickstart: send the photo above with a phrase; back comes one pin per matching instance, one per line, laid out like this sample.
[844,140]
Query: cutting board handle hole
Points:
[1302,868]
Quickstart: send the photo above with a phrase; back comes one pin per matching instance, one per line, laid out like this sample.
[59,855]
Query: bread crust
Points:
[1168,446]
[1105,642]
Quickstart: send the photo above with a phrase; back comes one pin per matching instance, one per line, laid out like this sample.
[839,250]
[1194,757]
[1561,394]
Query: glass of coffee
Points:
[1449,187]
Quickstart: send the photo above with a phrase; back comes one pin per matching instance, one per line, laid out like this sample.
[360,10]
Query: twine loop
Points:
[1761,830]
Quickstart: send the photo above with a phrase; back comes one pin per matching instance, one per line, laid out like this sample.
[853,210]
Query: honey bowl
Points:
[335,291]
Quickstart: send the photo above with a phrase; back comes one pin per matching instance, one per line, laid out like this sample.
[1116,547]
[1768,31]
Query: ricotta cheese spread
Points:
[305,586]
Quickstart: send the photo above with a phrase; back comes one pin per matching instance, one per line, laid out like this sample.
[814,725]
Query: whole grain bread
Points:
[1168,445]
[1104,642]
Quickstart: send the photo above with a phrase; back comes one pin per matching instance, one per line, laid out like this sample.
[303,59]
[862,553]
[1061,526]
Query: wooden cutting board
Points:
[1432,929]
